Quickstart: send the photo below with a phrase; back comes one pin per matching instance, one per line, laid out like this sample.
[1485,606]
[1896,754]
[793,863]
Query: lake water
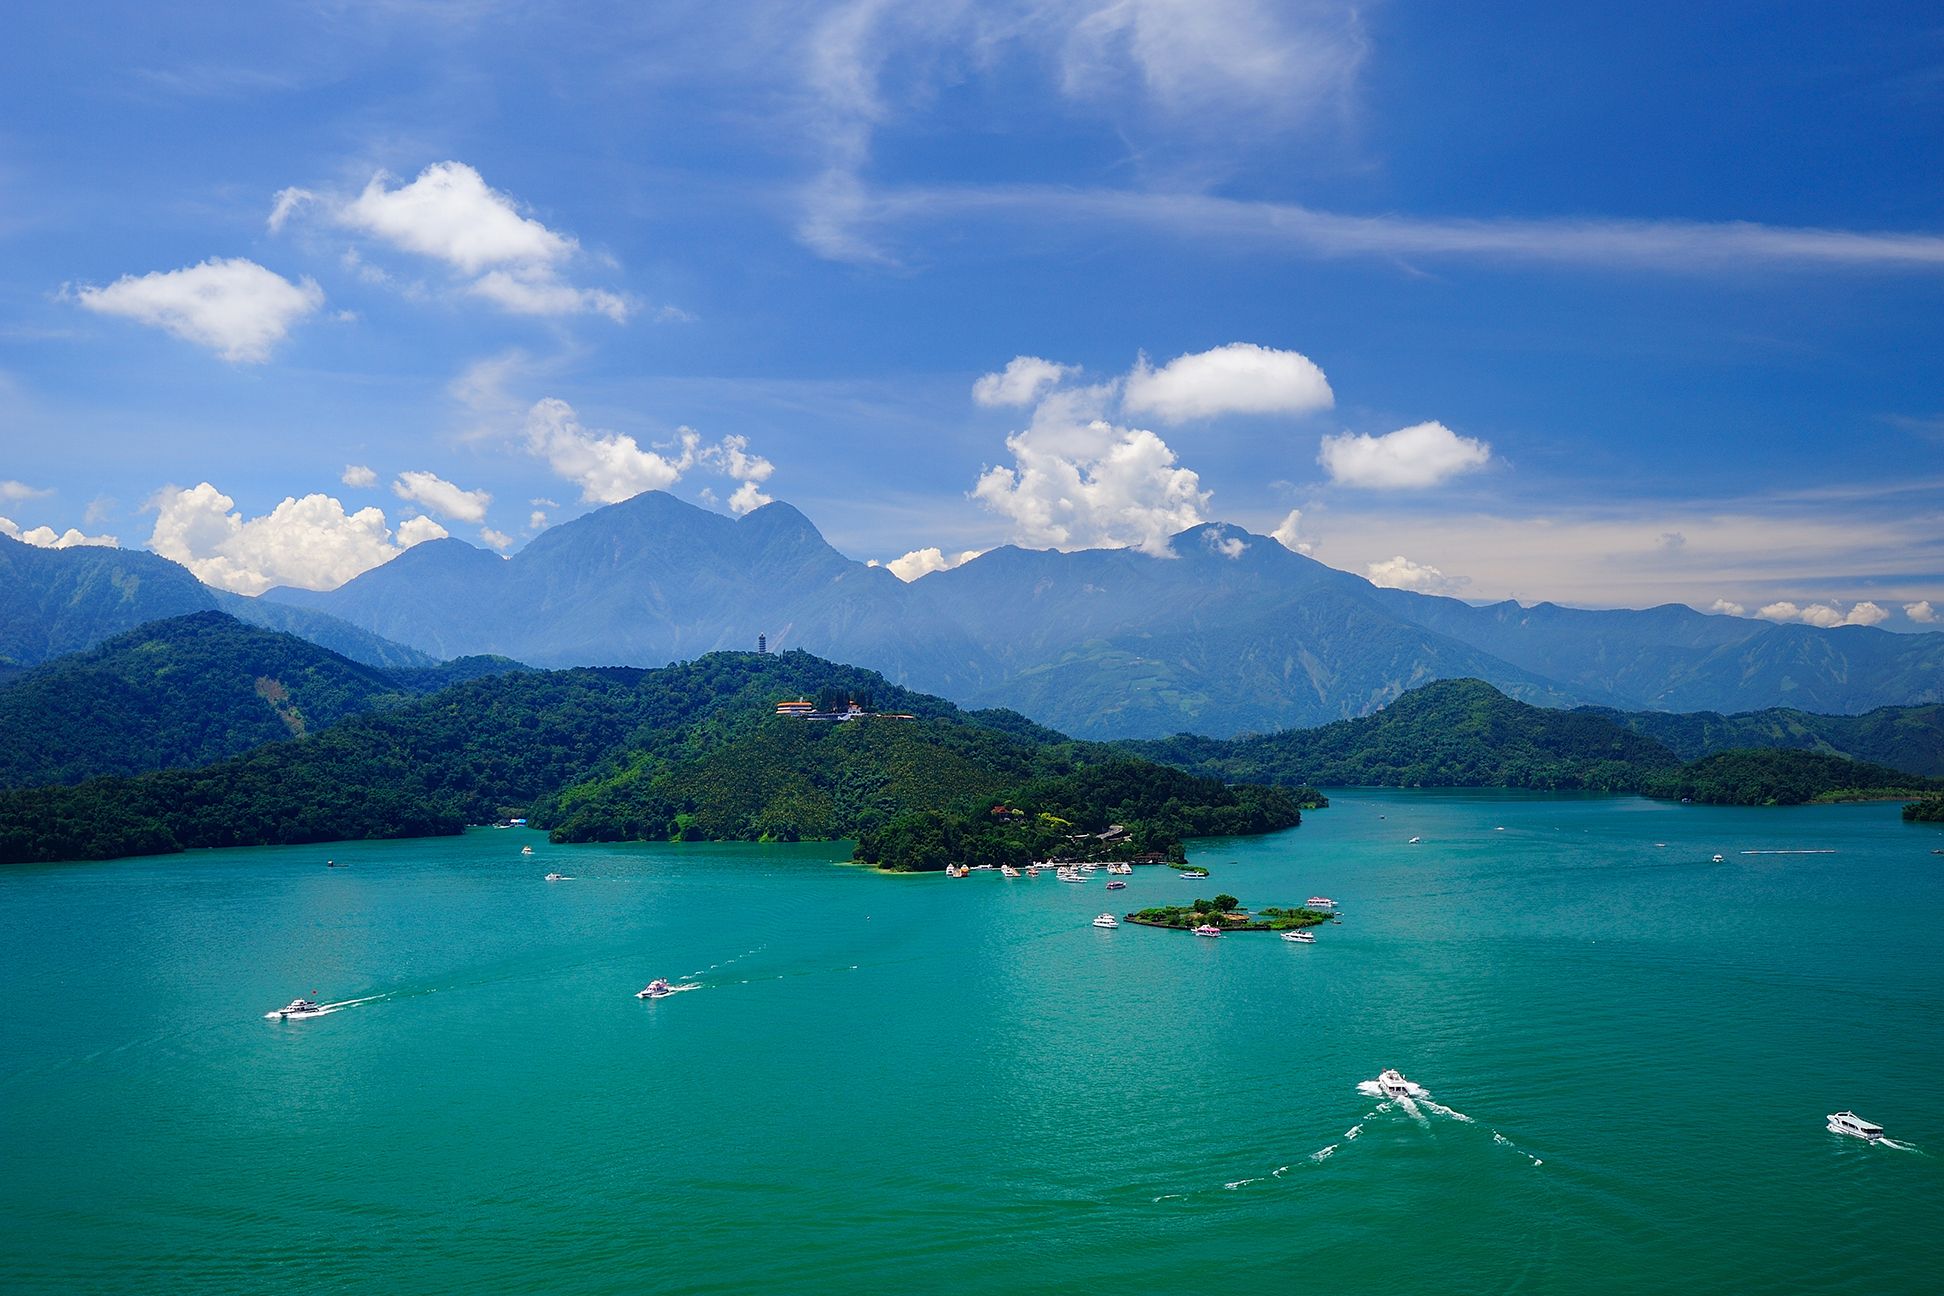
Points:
[911,1084]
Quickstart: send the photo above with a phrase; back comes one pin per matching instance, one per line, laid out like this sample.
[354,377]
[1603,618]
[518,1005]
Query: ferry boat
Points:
[1393,1083]
[1299,937]
[1194,873]
[656,989]
[1208,929]
[1319,902]
[558,877]
[1848,1122]
[1116,885]
[296,1008]
[1107,920]
[1123,868]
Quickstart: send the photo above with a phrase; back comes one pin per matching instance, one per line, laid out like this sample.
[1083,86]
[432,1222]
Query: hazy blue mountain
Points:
[653,580]
[55,601]
[1232,633]
[189,690]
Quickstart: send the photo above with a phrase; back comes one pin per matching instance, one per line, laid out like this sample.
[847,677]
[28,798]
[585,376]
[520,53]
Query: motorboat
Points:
[1393,1083]
[1115,884]
[1720,859]
[1068,875]
[1123,868]
[1319,902]
[1848,1122]
[558,877]
[1007,870]
[1032,870]
[296,1008]
[526,850]
[1194,874]
[1414,841]
[958,870]
[1299,937]
[1106,920]
[656,989]
[1208,929]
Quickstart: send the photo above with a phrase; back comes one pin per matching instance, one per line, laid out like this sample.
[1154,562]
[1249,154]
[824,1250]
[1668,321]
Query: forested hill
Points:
[693,750]
[1452,733]
[1902,737]
[188,690]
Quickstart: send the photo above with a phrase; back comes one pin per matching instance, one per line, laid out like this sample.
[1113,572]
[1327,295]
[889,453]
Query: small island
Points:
[1226,912]
[1928,810]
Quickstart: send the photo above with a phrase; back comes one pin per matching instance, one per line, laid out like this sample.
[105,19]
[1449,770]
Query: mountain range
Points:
[1233,633]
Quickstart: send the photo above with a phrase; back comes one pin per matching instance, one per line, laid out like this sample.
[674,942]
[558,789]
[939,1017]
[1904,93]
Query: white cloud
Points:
[538,291]
[13,490]
[732,458]
[434,494]
[1240,378]
[607,466]
[498,539]
[1401,573]
[1078,481]
[1921,612]
[286,205]
[922,562]
[1288,534]
[452,214]
[1229,546]
[1020,382]
[234,307]
[1825,616]
[1725,608]
[747,498]
[1409,458]
[310,542]
[417,530]
[358,475]
[44,537]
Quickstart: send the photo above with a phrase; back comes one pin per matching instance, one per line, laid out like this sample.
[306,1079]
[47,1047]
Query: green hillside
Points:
[186,691]
[691,751]
[1777,777]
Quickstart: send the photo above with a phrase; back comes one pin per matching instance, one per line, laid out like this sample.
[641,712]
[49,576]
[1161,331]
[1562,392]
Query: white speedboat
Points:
[1720,859]
[1393,1083]
[558,877]
[1414,841]
[656,989]
[1106,920]
[1194,874]
[1208,929]
[1299,937]
[296,1008]
[1319,902]
[526,850]
[1007,870]
[1068,875]
[1847,1122]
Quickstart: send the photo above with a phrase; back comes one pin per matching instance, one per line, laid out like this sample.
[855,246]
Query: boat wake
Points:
[1901,1147]
[324,1010]
[1418,1103]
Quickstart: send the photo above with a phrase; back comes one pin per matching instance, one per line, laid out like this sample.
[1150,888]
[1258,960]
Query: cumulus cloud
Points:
[607,466]
[1725,608]
[1220,541]
[235,307]
[309,542]
[1825,616]
[434,494]
[1288,534]
[1079,481]
[1401,573]
[922,562]
[45,537]
[1240,378]
[498,539]
[358,475]
[13,490]
[1921,612]
[451,215]
[1020,382]
[1409,458]
[417,530]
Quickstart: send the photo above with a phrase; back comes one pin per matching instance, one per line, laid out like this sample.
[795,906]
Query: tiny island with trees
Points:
[1226,912]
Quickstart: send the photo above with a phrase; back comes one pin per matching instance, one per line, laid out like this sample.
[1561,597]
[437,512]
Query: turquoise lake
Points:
[921,1084]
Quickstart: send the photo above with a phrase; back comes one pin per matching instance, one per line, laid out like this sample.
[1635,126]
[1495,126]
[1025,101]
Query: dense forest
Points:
[1777,777]
[1927,810]
[690,751]
[1452,733]
[1064,814]
[1902,737]
[189,690]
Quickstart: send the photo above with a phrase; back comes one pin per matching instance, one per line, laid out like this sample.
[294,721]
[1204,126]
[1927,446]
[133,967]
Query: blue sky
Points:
[1607,306]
